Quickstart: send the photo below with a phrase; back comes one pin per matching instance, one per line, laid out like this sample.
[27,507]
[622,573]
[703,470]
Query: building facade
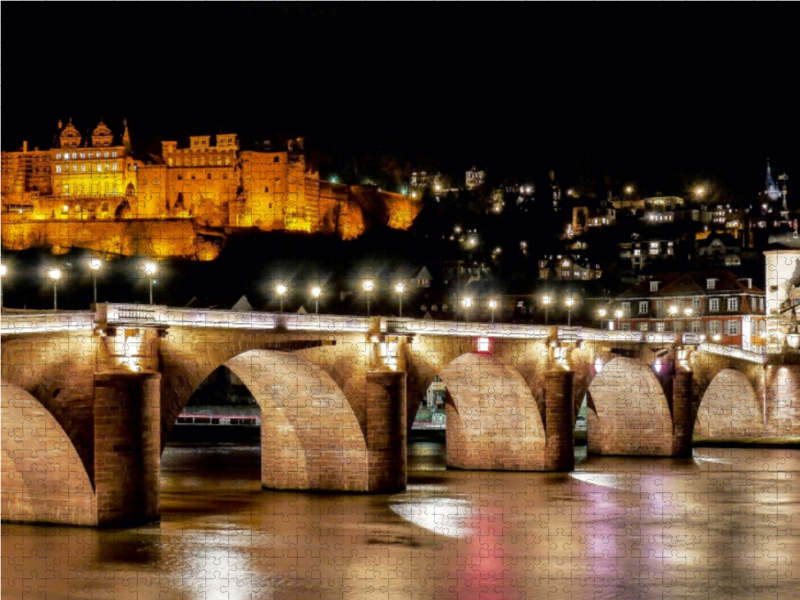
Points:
[714,305]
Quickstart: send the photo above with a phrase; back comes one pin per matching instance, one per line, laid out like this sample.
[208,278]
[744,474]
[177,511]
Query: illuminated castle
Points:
[214,186]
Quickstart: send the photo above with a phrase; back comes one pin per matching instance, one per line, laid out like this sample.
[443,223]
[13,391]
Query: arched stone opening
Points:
[630,413]
[493,421]
[43,478]
[729,408]
[310,437]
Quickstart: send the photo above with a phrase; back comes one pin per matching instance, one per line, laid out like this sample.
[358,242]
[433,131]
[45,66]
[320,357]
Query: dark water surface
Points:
[724,524]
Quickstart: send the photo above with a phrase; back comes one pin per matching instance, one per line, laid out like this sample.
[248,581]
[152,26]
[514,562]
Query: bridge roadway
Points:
[89,398]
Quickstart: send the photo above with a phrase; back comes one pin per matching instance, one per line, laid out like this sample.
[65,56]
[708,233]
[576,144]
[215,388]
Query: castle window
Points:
[169,161]
[75,168]
[208,175]
[114,167]
[83,155]
[277,159]
[99,168]
[66,155]
[114,154]
[227,160]
[105,155]
[58,155]
[65,208]
[58,168]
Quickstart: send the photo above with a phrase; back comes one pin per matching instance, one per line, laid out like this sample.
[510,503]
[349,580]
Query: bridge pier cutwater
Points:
[89,398]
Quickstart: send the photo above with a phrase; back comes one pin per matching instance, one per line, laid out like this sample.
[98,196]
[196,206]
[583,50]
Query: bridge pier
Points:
[386,433]
[127,453]
[559,421]
[682,413]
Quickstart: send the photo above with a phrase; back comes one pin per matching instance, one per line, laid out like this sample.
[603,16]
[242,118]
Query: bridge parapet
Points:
[22,322]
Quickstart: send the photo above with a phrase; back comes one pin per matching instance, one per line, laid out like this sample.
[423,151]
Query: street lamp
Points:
[368,287]
[401,288]
[281,289]
[55,275]
[467,306]
[3,271]
[492,306]
[673,312]
[316,293]
[546,301]
[618,314]
[569,302]
[95,265]
[150,270]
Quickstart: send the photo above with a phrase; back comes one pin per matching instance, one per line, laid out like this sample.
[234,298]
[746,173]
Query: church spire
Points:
[126,137]
[772,191]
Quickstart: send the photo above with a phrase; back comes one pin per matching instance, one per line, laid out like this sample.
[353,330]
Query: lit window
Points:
[696,305]
[105,155]
[58,168]
[697,327]
[644,306]
[713,305]
[654,286]
[733,304]
[65,208]
[731,327]
[66,155]
[114,167]
[58,155]
[711,283]
[661,327]
[99,168]
[74,155]
[644,326]
[483,344]
[626,309]
[114,154]
[75,168]
[714,328]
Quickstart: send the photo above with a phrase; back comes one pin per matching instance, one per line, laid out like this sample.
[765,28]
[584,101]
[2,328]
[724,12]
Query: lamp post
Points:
[673,312]
[55,275]
[546,301]
[601,312]
[618,314]
[467,306]
[401,288]
[368,287]
[281,289]
[569,302]
[492,306]
[3,271]
[95,265]
[688,312]
[150,270]
[316,293]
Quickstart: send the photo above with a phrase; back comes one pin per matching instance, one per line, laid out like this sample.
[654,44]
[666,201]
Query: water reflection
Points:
[716,524]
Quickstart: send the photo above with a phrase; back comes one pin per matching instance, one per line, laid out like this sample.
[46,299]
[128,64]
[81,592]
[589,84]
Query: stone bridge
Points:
[89,398]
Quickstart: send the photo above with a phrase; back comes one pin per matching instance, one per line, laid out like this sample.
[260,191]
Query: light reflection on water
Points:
[719,524]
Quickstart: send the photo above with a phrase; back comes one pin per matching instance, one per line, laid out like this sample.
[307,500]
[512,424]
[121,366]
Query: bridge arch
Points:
[729,407]
[43,478]
[628,411]
[310,437]
[493,421]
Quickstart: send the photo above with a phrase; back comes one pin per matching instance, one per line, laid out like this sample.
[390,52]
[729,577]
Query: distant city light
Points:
[334,179]
[629,189]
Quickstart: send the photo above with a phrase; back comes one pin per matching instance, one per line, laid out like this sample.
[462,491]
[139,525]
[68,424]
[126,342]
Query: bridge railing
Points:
[463,329]
[46,322]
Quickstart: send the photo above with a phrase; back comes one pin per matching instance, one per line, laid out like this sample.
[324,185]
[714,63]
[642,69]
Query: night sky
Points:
[631,93]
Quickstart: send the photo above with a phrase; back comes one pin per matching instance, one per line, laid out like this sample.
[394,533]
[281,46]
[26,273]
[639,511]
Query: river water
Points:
[723,524]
